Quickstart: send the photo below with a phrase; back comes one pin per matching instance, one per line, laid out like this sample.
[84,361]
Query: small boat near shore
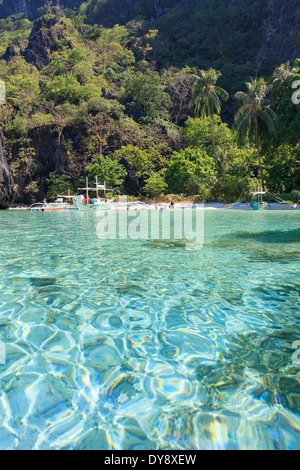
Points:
[257,202]
[62,203]
[84,203]
[95,205]
[78,202]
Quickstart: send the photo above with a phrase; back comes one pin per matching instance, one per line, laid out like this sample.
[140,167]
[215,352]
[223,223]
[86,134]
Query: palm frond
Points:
[222,93]
[206,95]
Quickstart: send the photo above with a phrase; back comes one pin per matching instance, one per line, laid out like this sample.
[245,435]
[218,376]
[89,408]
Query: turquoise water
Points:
[148,345]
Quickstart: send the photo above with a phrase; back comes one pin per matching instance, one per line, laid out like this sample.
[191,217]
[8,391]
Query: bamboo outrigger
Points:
[257,202]
[87,204]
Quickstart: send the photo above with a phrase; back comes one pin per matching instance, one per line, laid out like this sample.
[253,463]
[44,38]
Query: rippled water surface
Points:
[146,345]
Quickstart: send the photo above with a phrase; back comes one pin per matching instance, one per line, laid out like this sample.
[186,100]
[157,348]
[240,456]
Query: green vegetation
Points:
[108,170]
[104,103]
[57,184]
[207,99]
[255,119]
[14,32]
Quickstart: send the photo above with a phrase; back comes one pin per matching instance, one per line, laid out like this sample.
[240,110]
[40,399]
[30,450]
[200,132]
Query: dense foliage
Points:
[109,102]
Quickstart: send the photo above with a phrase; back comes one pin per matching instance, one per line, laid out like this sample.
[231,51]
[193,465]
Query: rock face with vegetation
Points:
[28,7]
[44,36]
[6,181]
[88,96]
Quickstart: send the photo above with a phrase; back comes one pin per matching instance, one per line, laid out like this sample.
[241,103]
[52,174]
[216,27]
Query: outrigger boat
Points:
[257,202]
[84,203]
[62,202]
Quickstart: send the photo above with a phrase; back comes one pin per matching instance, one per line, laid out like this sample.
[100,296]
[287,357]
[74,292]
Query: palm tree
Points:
[282,80]
[255,118]
[207,99]
[223,164]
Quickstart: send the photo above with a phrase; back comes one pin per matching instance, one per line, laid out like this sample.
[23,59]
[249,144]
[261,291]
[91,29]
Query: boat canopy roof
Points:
[99,187]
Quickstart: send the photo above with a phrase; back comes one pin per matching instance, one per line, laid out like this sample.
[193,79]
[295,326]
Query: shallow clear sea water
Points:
[145,344]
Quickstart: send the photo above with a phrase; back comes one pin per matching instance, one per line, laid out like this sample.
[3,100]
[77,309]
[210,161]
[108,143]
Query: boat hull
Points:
[92,207]
[53,207]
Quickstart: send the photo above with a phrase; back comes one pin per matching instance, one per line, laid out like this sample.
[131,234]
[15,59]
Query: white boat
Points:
[95,205]
[59,204]
[257,203]
[84,203]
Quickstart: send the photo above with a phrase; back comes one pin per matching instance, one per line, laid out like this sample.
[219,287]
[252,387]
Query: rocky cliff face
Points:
[13,7]
[29,7]
[121,11]
[6,180]
[42,39]
[280,29]
[277,20]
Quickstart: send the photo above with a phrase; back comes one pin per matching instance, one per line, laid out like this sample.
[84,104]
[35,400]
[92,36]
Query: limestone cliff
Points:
[29,7]
[6,180]
[276,24]
[42,39]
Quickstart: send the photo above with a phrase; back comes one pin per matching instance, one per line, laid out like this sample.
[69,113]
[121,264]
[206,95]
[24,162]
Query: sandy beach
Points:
[184,205]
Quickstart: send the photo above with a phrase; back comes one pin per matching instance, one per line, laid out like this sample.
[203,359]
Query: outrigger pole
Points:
[291,203]
[260,202]
[87,189]
[99,187]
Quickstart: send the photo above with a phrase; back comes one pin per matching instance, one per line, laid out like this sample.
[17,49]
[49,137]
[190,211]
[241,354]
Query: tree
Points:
[57,184]
[283,167]
[144,43]
[143,161]
[22,166]
[189,171]
[155,185]
[22,85]
[179,85]
[147,91]
[100,128]
[197,132]
[207,98]
[255,118]
[107,170]
[32,188]
[39,120]
[64,115]
[282,80]
[236,172]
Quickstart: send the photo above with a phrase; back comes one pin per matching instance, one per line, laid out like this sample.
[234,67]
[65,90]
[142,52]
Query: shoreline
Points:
[205,206]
